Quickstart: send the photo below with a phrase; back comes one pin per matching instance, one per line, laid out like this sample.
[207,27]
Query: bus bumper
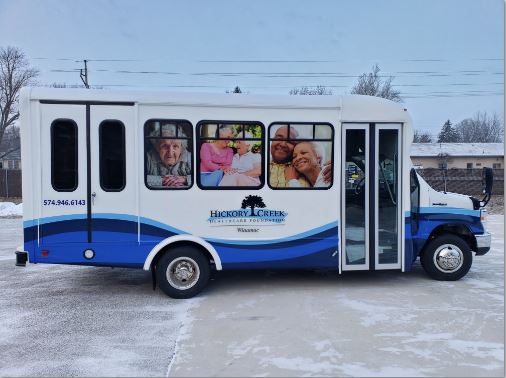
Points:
[483,242]
[21,257]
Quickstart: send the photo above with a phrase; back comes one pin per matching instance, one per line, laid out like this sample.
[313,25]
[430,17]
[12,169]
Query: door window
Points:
[64,177]
[112,156]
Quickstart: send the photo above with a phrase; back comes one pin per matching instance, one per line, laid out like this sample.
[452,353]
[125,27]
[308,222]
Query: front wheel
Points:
[447,258]
[182,272]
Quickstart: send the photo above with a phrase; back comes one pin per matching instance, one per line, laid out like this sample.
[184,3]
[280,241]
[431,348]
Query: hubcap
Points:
[448,258]
[183,273]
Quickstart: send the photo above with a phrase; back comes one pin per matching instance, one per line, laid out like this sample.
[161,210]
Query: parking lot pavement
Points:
[84,321]
[357,324]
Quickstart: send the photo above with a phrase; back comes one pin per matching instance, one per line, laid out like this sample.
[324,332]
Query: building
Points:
[10,153]
[457,155]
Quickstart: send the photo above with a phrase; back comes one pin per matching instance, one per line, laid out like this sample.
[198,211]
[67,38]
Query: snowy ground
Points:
[10,209]
[83,321]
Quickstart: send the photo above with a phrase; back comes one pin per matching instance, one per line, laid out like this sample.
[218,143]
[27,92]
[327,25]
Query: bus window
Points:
[64,175]
[230,155]
[299,153]
[112,156]
[168,154]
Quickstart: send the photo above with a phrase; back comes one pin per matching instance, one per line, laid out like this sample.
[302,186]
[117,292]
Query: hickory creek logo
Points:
[253,211]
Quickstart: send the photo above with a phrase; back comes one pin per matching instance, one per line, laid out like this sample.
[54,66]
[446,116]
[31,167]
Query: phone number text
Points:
[66,202]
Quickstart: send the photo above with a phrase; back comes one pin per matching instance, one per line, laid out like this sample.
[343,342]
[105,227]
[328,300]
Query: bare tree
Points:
[371,84]
[422,137]
[319,90]
[482,128]
[15,73]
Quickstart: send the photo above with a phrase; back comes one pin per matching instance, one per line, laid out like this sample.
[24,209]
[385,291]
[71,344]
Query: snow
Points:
[457,149]
[9,209]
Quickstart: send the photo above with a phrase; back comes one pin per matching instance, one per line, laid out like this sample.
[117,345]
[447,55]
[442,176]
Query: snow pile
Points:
[9,209]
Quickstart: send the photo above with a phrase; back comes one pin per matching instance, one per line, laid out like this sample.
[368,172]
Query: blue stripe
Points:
[332,226]
[303,235]
[125,217]
[163,226]
[449,210]
[61,218]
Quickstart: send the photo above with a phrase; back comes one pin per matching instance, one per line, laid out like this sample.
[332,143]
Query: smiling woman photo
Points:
[308,158]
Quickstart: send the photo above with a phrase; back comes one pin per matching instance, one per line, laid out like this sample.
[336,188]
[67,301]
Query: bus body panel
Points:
[297,228]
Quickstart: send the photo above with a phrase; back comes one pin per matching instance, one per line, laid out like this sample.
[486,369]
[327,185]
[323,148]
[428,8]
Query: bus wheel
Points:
[182,272]
[447,258]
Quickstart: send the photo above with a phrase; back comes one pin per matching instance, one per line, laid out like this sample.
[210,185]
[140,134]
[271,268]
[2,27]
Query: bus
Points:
[181,184]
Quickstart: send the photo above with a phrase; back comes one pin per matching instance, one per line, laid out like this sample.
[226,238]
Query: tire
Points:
[447,258]
[182,272]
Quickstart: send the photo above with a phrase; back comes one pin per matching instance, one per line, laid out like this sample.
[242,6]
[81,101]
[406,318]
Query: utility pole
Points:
[84,76]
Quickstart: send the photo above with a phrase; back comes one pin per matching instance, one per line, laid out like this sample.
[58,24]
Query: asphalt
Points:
[85,321]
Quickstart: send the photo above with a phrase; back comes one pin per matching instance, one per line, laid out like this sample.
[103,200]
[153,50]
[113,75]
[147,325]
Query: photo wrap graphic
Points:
[253,211]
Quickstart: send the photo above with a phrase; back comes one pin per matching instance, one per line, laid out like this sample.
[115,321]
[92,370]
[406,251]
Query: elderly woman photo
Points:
[308,158]
[168,163]
[246,166]
[216,157]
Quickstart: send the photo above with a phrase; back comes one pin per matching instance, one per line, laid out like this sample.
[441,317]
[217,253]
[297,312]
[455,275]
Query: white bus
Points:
[181,184]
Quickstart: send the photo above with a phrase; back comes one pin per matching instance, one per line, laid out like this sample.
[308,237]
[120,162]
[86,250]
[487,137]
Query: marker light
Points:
[44,253]
[89,254]
[483,217]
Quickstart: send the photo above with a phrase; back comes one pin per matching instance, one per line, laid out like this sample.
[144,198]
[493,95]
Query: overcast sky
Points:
[447,56]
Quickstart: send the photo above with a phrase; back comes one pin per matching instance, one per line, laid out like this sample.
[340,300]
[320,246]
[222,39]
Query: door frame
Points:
[387,126]
[371,195]
[88,105]
[342,255]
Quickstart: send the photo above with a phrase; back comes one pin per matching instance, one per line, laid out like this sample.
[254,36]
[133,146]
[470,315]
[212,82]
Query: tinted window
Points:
[230,155]
[168,162]
[299,155]
[112,156]
[64,176]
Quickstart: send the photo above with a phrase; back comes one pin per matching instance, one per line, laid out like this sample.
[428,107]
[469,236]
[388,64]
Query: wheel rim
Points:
[448,258]
[183,273]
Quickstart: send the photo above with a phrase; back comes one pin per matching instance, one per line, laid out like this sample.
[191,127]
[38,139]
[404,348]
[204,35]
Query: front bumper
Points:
[483,242]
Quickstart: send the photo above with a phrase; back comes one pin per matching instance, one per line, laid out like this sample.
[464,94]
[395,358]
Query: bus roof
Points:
[352,107]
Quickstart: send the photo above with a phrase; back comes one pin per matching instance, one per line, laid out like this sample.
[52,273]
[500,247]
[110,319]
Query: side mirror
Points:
[487,180]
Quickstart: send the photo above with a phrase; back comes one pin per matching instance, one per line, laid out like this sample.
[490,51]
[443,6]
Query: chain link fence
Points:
[464,181]
[10,183]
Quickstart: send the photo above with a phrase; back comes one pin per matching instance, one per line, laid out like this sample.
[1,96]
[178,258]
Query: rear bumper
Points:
[483,242]
[21,257]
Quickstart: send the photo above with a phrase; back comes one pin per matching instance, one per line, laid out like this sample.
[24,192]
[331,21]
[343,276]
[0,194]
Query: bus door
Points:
[62,165]
[113,169]
[371,196]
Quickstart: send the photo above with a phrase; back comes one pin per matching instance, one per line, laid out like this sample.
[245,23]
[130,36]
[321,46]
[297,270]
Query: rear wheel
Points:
[447,258]
[182,272]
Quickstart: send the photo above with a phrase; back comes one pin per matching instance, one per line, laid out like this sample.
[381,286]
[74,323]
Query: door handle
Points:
[93,195]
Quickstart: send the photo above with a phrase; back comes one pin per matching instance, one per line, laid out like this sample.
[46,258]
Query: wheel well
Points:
[457,229]
[197,246]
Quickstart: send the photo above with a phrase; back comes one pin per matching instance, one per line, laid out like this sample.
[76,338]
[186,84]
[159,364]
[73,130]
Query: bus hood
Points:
[448,199]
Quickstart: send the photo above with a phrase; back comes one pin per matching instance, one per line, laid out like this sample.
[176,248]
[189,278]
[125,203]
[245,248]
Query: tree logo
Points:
[252,202]
[253,211]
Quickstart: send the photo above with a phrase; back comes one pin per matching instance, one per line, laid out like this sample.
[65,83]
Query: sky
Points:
[446,56]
